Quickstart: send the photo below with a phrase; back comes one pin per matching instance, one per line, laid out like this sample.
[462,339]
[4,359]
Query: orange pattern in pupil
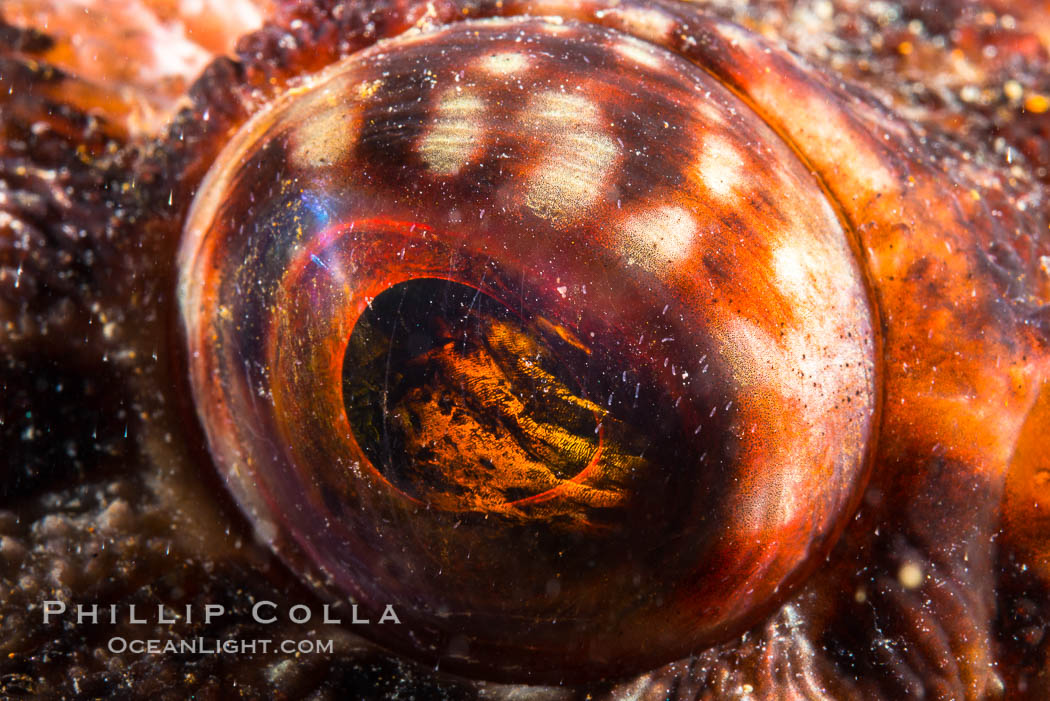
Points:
[467,408]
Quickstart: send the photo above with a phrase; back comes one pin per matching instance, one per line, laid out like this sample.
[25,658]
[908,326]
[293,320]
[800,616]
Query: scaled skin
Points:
[937,587]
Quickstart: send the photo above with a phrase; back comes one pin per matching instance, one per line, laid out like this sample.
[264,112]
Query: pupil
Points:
[466,406]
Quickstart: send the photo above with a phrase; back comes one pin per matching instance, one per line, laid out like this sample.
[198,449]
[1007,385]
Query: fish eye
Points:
[626,348]
[538,333]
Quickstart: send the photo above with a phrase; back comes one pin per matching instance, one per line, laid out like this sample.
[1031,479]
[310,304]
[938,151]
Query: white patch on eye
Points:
[505,64]
[711,112]
[809,382]
[807,266]
[659,235]
[553,107]
[814,364]
[721,167]
[322,139]
[794,275]
[827,301]
[569,176]
[639,52]
[456,133]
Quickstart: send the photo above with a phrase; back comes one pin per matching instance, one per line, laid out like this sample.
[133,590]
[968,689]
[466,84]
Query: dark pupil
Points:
[464,405]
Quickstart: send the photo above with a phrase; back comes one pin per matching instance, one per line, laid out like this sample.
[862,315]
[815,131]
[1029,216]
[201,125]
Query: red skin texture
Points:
[951,229]
[135,60]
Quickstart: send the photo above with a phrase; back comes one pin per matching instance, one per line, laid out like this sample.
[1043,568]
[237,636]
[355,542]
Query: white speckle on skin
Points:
[454,138]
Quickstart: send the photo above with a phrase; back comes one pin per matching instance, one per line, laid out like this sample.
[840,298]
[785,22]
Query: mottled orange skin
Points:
[170,42]
[952,237]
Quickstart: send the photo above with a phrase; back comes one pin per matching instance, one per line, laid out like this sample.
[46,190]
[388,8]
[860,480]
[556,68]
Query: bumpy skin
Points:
[938,162]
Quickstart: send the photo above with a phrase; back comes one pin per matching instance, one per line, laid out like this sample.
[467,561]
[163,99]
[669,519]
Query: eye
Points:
[537,332]
[936,585]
